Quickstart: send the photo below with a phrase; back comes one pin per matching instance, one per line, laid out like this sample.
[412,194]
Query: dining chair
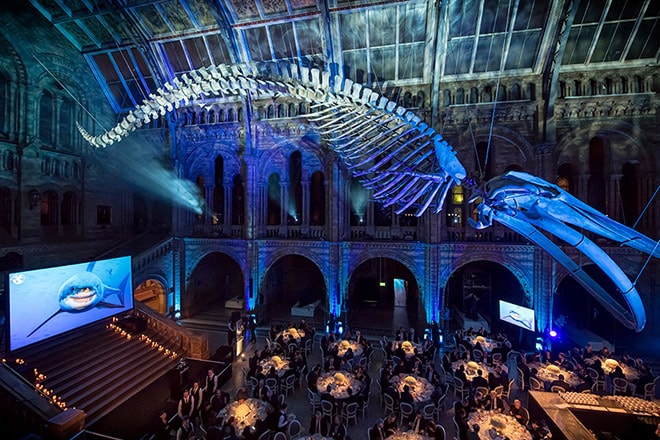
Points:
[459,388]
[428,412]
[477,355]
[507,390]
[619,386]
[389,404]
[265,435]
[497,357]
[535,384]
[327,408]
[499,390]
[279,436]
[557,389]
[314,400]
[443,433]
[350,413]
[308,347]
[521,379]
[406,411]
[271,383]
[294,429]
[365,405]
[649,390]
[440,406]
[289,384]
[482,390]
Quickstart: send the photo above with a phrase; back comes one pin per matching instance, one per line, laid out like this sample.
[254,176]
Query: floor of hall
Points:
[135,418]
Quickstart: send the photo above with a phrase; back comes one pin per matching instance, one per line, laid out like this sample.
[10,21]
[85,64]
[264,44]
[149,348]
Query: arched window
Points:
[202,191]
[460,96]
[67,118]
[5,210]
[629,194]
[69,215]
[238,201]
[566,178]
[5,95]
[49,208]
[219,191]
[46,117]
[274,202]
[359,198]
[317,200]
[294,210]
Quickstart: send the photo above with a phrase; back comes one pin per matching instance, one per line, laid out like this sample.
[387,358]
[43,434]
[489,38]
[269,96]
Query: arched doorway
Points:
[383,296]
[473,293]
[152,293]
[576,308]
[216,279]
[293,280]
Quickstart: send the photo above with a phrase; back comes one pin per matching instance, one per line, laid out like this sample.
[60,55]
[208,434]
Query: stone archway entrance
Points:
[152,293]
[574,307]
[214,284]
[383,295]
[473,293]
[293,288]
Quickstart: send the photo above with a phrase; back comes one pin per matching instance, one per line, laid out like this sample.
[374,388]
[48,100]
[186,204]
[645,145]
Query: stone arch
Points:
[511,147]
[474,288]
[507,259]
[622,146]
[383,252]
[298,283]
[154,295]
[215,278]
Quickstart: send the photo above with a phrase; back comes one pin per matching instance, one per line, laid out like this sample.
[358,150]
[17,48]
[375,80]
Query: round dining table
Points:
[246,412]
[550,372]
[290,335]
[471,368]
[496,426]
[344,345]
[420,388]
[339,382]
[280,364]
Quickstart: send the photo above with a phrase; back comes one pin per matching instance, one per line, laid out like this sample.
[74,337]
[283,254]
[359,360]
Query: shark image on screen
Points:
[47,302]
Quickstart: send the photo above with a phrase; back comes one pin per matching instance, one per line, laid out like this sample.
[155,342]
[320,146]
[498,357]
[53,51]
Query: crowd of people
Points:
[200,407]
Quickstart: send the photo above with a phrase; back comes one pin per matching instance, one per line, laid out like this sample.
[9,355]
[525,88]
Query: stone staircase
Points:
[96,369]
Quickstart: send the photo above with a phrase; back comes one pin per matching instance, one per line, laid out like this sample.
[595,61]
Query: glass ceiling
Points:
[133,49]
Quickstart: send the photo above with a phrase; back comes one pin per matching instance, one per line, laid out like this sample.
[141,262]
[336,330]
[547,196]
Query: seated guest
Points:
[460,374]
[327,395]
[399,368]
[419,425]
[162,431]
[587,383]
[312,377]
[480,380]
[519,413]
[436,432]
[378,431]
[561,382]
[338,430]
[219,400]
[605,352]
[494,403]
[318,424]
[406,396]
[617,372]
[390,424]
[186,430]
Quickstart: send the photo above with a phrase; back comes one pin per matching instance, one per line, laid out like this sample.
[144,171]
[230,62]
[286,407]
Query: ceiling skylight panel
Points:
[463,17]
[310,37]
[284,40]
[257,43]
